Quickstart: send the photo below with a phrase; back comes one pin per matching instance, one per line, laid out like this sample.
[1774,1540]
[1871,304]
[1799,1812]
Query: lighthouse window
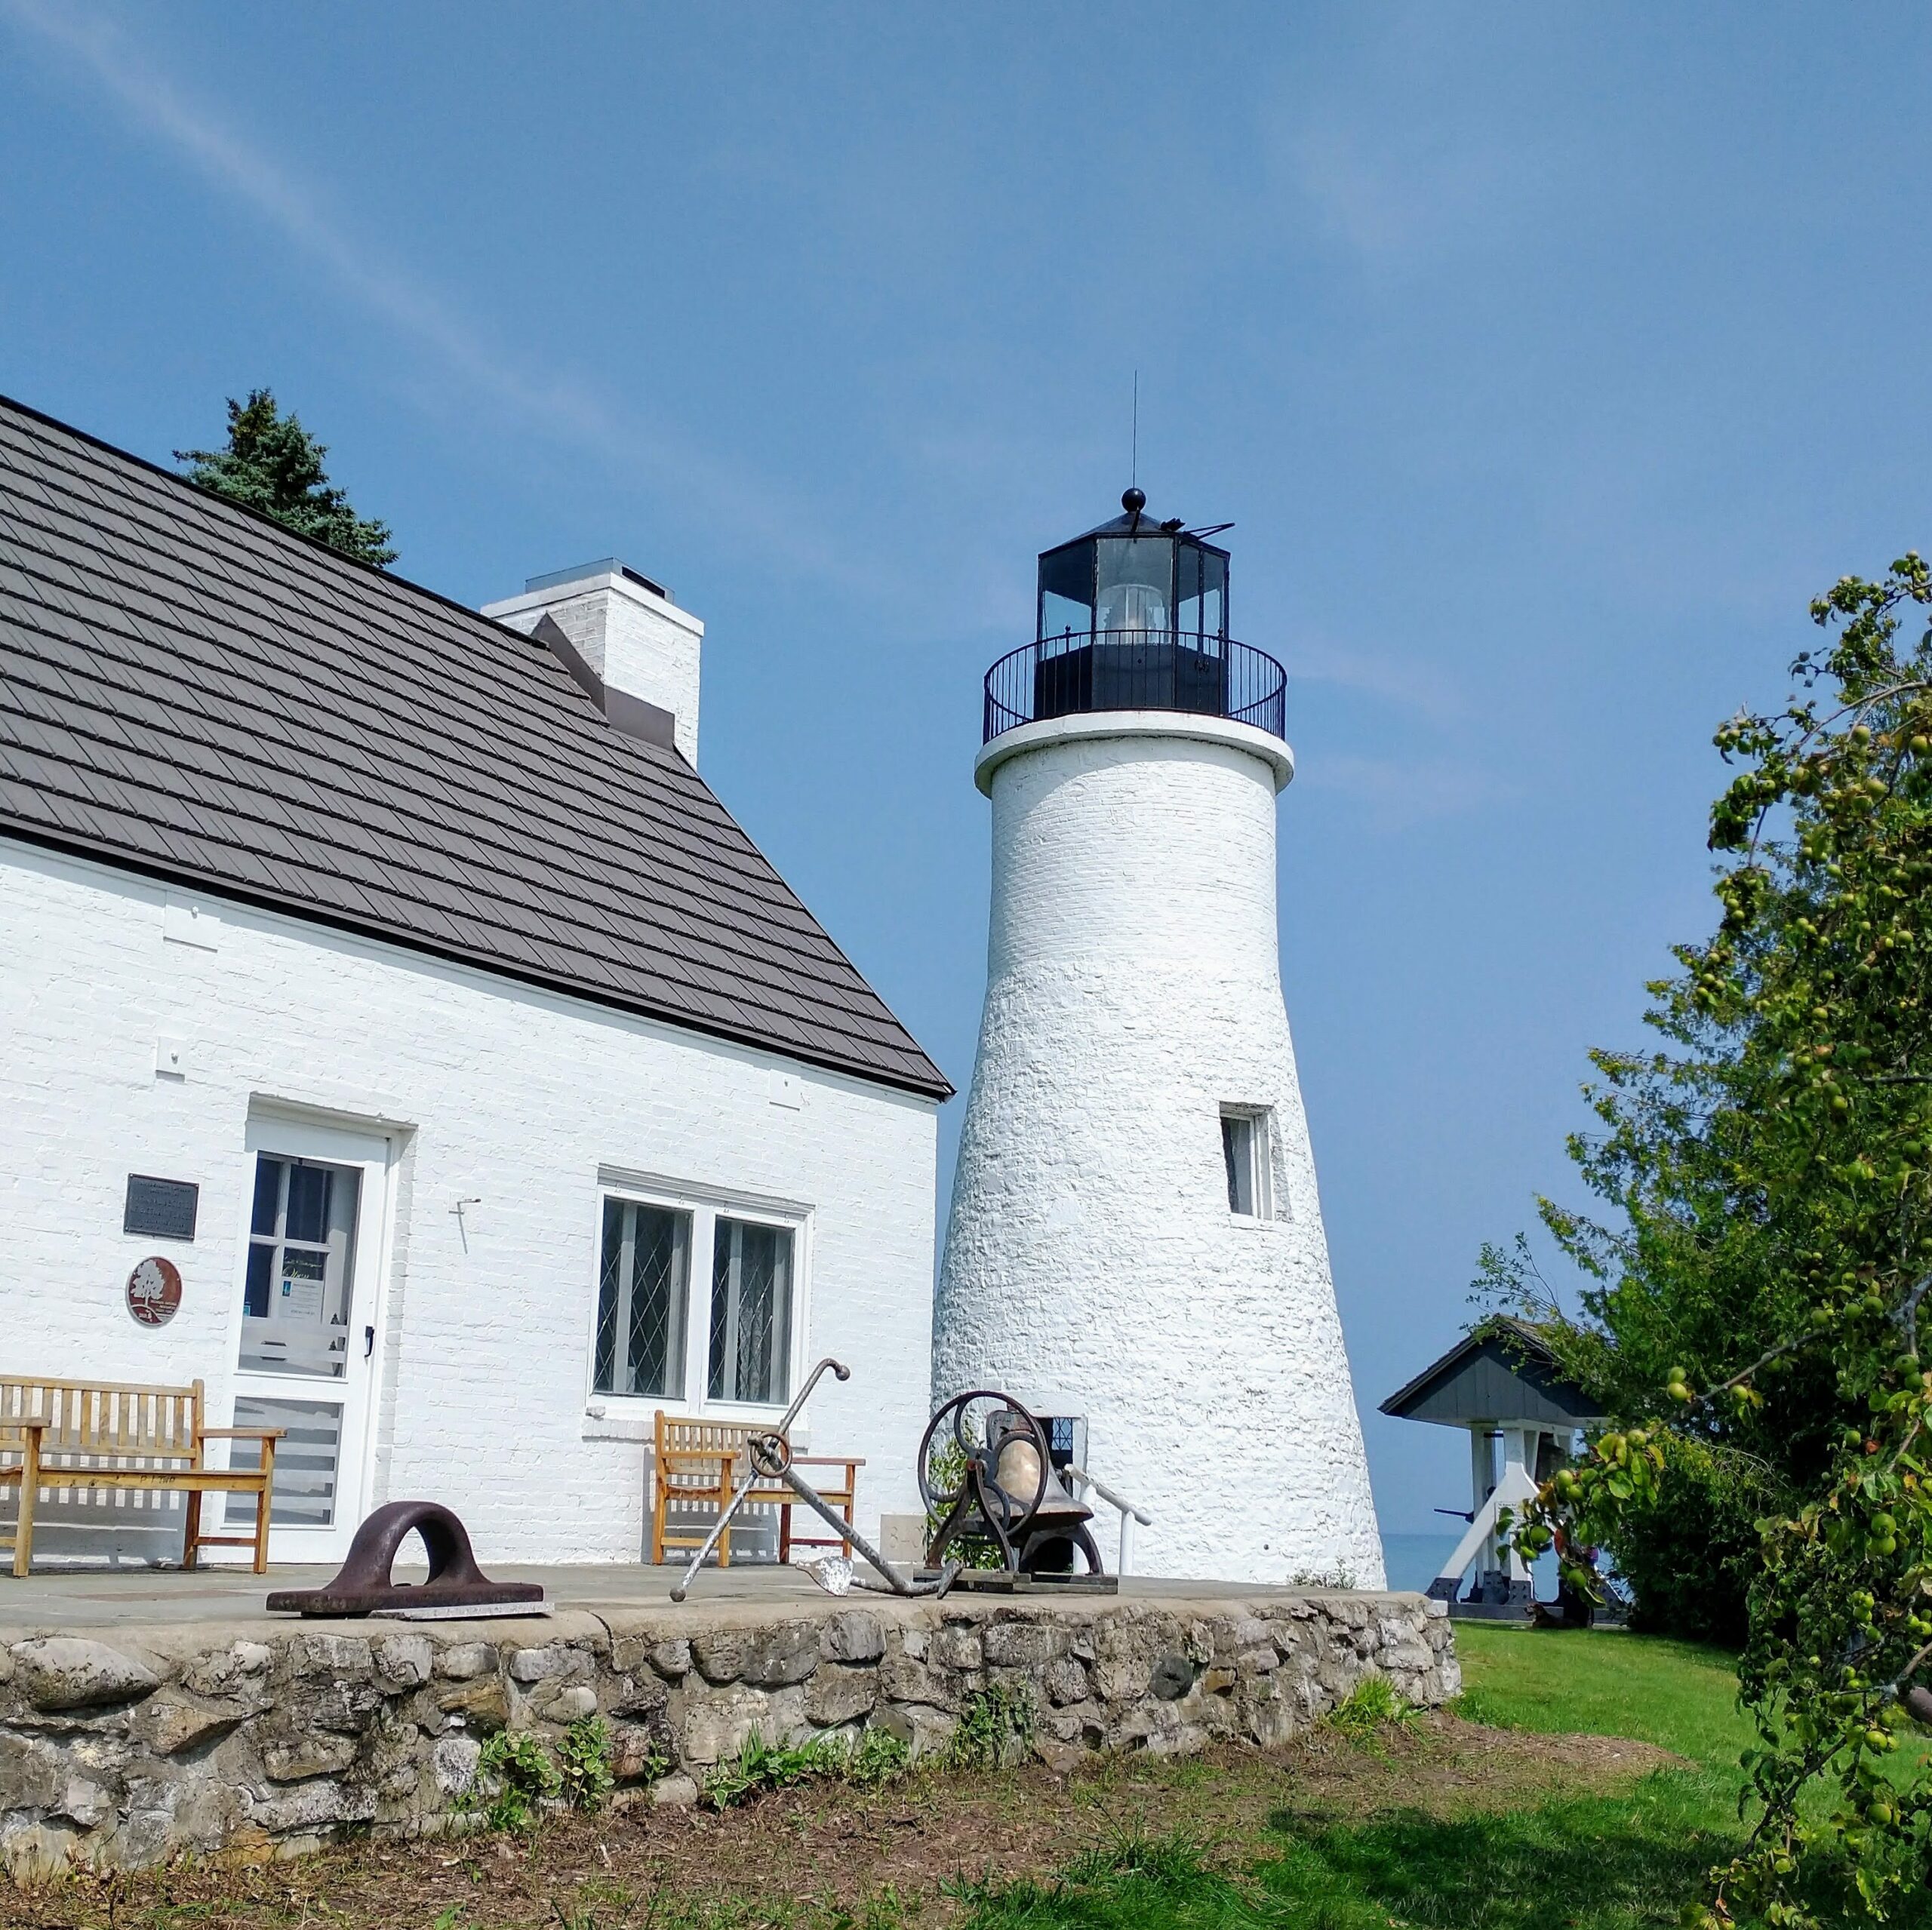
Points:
[1244,1153]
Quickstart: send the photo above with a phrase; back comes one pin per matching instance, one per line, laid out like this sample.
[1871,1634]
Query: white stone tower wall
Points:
[1091,1262]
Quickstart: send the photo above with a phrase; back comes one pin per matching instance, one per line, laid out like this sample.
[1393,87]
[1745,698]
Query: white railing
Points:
[1129,1512]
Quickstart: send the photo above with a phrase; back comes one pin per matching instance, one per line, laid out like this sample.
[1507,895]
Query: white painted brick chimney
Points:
[628,633]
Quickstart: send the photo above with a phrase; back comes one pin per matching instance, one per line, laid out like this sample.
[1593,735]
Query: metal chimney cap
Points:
[604,565]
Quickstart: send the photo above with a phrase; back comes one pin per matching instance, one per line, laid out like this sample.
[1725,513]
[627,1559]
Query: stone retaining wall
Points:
[267,1738]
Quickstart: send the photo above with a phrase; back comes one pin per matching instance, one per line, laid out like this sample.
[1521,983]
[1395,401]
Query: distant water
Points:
[1413,1561]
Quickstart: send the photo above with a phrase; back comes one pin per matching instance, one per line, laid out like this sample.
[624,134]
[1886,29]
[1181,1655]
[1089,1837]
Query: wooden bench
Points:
[697,1465]
[60,1435]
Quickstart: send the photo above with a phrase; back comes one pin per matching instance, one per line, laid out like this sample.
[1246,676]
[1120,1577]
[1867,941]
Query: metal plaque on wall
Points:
[163,1209]
[154,1291]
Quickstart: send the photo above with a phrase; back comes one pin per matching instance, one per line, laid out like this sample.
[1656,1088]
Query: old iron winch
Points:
[987,1476]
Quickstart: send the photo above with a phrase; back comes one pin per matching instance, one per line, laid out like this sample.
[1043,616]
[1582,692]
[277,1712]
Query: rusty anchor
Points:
[768,1458]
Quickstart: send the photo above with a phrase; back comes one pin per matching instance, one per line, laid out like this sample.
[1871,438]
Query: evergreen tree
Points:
[274,465]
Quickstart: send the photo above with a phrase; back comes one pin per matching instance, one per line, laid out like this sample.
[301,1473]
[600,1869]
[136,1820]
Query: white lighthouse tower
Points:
[1136,1237]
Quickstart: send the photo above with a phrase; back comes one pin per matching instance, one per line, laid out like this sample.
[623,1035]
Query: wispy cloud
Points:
[1394,203]
[1396,793]
[1403,156]
[1422,688]
[558,407]
[131,77]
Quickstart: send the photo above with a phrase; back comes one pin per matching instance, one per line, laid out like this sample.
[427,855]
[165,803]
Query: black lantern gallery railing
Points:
[1102,670]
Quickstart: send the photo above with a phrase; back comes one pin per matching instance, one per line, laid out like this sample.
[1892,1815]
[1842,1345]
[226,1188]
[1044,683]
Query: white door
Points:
[308,1318]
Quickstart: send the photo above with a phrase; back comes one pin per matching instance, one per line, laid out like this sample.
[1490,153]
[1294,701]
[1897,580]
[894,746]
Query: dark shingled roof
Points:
[189,690]
[1501,1369]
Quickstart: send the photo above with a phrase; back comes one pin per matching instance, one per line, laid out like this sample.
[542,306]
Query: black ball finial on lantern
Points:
[1133,501]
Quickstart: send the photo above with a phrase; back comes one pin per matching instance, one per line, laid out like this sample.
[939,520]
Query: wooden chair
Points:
[696,1465]
[61,1435]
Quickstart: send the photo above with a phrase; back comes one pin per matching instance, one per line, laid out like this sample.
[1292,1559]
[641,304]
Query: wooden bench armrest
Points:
[828,1461]
[243,1434]
[24,1428]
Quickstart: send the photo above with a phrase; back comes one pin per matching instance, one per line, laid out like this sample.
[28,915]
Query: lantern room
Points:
[1133,578]
[1134,616]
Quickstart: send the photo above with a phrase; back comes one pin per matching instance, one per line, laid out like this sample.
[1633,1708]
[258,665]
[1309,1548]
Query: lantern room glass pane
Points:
[1066,591]
[1203,576]
[1134,583]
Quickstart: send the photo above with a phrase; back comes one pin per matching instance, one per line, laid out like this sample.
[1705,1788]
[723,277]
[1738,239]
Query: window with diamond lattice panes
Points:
[642,1293]
[751,1313]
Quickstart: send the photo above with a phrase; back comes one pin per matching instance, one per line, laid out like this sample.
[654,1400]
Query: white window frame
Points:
[706,1205]
[1260,1123]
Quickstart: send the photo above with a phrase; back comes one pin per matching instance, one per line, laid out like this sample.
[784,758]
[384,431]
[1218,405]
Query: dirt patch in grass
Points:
[827,1854]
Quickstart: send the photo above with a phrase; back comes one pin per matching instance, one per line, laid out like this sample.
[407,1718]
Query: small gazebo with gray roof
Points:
[1500,1381]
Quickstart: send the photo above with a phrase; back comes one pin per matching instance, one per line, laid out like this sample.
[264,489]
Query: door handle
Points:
[368,1341]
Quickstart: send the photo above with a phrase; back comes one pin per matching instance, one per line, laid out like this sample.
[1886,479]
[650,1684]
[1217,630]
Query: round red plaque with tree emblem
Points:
[154,1292]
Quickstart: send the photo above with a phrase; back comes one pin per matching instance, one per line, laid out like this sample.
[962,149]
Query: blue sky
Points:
[1548,360]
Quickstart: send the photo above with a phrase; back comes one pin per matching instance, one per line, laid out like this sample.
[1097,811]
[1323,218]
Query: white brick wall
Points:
[1133,989]
[491,1090]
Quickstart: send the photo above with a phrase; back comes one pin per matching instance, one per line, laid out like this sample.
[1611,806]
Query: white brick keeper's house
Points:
[388,972]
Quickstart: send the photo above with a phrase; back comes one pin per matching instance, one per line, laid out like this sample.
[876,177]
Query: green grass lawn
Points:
[1677,1695]
[1611,1862]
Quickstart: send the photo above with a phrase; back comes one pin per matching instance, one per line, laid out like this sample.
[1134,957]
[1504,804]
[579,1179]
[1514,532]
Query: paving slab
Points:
[59,1600]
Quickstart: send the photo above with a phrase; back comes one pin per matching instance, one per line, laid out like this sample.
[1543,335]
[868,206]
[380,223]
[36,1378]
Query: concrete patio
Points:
[56,1600]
